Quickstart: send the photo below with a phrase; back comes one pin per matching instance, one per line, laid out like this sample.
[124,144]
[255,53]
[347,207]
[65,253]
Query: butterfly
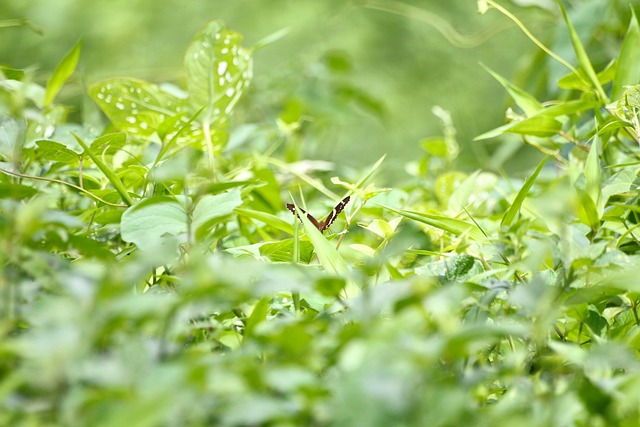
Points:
[322,225]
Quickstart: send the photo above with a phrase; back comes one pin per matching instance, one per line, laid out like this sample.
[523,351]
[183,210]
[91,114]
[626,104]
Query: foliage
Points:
[152,276]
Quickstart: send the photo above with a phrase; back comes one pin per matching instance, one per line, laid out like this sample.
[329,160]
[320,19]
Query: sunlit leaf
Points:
[628,69]
[529,104]
[63,71]
[327,254]
[218,70]
[136,106]
[583,58]
[210,209]
[593,175]
[266,218]
[57,152]
[283,251]
[513,210]
[450,225]
[154,222]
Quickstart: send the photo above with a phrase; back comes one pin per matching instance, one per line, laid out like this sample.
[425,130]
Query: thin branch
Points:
[58,181]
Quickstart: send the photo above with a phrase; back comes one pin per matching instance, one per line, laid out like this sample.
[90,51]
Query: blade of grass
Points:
[57,181]
[267,218]
[63,71]
[450,225]
[165,148]
[327,254]
[513,210]
[111,176]
[531,37]
[583,58]
[628,69]
[593,176]
[529,104]
[371,171]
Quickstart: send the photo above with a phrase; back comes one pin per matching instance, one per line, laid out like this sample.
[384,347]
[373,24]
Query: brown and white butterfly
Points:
[322,225]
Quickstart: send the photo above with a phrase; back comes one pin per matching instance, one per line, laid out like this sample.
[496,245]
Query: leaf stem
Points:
[58,181]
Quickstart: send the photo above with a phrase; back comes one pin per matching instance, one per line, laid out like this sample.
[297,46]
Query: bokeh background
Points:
[361,76]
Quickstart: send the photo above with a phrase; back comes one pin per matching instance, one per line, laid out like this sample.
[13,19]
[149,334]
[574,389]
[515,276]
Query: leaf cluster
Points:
[151,274]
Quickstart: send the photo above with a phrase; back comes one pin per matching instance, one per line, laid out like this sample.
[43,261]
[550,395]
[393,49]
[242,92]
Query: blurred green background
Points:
[361,76]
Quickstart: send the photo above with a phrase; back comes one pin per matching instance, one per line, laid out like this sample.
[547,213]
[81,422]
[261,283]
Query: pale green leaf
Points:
[154,222]
[210,209]
[327,254]
[450,225]
[138,107]
[63,71]
[628,69]
[218,70]
[55,151]
[583,58]
[527,102]
[267,218]
[513,210]
[593,176]
[111,176]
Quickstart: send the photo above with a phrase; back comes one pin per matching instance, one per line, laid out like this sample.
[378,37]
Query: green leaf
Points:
[153,222]
[513,210]
[587,211]
[450,225]
[16,191]
[283,251]
[573,81]
[258,315]
[267,218]
[136,106]
[542,124]
[327,254]
[218,70]
[593,176]
[56,152]
[459,267]
[109,144]
[210,209]
[628,69]
[527,102]
[583,58]
[62,72]
[111,176]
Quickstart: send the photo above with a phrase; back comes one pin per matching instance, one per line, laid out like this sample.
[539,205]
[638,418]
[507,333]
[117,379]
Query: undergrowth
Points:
[151,274]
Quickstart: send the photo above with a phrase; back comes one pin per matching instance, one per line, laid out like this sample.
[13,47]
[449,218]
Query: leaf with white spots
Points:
[136,106]
[218,70]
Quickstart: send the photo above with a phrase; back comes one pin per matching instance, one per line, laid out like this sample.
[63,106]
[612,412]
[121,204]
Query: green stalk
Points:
[111,176]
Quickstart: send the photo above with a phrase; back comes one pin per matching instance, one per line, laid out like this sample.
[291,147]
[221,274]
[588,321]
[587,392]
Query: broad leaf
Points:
[210,209]
[218,70]
[136,106]
[154,222]
[51,150]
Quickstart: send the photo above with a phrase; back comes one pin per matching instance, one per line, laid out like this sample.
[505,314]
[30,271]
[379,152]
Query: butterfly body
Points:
[326,223]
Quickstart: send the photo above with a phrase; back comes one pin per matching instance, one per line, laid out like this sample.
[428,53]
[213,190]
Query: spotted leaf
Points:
[138,107]
[218,70]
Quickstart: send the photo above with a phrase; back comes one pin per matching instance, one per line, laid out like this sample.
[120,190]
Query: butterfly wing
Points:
[334,213]
[322,225]
[310,217]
